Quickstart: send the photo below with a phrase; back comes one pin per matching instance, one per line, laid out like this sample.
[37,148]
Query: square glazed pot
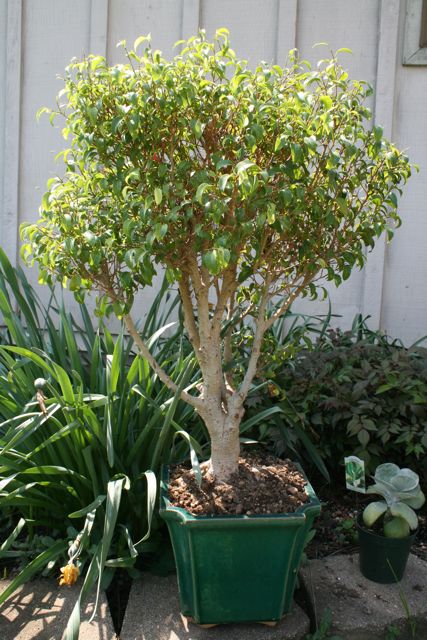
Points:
[237,568]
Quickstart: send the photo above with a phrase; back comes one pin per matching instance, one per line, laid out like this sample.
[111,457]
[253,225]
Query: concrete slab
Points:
[362,609]
[40,610]
[153,614]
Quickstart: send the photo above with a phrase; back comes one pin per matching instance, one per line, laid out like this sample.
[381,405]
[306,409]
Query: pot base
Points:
[266,623]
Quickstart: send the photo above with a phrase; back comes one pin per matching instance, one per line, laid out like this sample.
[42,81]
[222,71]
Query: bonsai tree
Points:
[250,188]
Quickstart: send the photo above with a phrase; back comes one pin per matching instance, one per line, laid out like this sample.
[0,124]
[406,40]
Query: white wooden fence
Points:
[39,37]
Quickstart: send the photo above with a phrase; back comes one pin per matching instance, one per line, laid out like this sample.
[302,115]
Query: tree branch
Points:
[261,326]
[195,402]
[289,300]
[187,306]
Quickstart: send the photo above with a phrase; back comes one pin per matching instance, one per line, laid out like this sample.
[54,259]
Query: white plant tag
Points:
[355,474]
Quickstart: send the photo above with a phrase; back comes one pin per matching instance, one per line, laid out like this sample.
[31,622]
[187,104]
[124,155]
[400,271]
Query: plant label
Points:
[355,474]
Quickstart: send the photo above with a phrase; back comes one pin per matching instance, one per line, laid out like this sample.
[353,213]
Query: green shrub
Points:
[357,392]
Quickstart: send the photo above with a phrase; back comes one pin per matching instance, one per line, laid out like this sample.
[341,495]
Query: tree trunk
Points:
[225,447]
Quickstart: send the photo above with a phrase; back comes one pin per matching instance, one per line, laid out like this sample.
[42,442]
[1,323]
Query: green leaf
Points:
[97,61]
[93,505]
[114,494]
[363,437]
[201,190]
[34,567]
[216,260]
[281,142]
[373,511]
[140,40]
[271,213]
[244,165]
[158,195]
[378,133]
[404,511]
[193,456]
[12,537]
[259,417]
[197,128]
[222,163]
[72,631]
[222,182]
[151,502]
[65,382]
[416,502]
[326,101]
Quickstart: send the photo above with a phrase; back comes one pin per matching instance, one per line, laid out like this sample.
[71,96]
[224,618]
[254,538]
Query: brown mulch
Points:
[264,484]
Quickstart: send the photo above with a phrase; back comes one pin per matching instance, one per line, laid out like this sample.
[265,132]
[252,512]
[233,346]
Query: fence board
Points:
[11,136]
[3,53]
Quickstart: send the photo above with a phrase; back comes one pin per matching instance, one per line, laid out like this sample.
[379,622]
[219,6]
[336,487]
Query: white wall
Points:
[38,38]
[3,31]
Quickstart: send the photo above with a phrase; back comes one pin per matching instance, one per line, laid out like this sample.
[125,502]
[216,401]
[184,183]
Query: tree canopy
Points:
[200,162]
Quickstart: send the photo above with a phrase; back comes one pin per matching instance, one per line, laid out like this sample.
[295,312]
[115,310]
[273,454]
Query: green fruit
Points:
[396,528]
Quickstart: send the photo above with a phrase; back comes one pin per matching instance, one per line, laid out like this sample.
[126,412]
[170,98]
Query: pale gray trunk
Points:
[225,444]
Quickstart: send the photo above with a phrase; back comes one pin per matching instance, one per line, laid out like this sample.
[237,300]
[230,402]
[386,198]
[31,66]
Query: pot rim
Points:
[299,514]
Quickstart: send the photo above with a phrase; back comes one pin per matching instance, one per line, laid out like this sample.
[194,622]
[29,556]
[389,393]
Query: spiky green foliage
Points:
[82,432]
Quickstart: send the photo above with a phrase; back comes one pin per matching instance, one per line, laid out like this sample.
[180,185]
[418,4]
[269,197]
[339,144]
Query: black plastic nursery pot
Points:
[382,559]
[237,568]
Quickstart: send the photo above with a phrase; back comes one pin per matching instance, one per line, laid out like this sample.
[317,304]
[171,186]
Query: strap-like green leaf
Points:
[193,456]
[151,502]
[114,494]
[34,567]
[73,626]
[12,537]
[93,505]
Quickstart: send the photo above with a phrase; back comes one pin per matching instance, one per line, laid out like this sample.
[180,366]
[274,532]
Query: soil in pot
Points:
[263,484]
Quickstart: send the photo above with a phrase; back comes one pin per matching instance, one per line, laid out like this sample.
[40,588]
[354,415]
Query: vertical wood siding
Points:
[39,37]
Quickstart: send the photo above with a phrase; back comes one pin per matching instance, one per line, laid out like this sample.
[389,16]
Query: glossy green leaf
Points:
[158,195]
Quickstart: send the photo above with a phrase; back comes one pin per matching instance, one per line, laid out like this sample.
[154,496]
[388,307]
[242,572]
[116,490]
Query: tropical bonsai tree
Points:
[250,188]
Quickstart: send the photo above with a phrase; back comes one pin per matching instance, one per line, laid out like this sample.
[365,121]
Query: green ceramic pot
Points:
[237,568]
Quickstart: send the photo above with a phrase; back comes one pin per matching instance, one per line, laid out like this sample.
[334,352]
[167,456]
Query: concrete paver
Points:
[40,610]
[153,614]
[362,609]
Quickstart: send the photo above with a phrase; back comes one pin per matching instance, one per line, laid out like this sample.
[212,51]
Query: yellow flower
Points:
[70,573]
